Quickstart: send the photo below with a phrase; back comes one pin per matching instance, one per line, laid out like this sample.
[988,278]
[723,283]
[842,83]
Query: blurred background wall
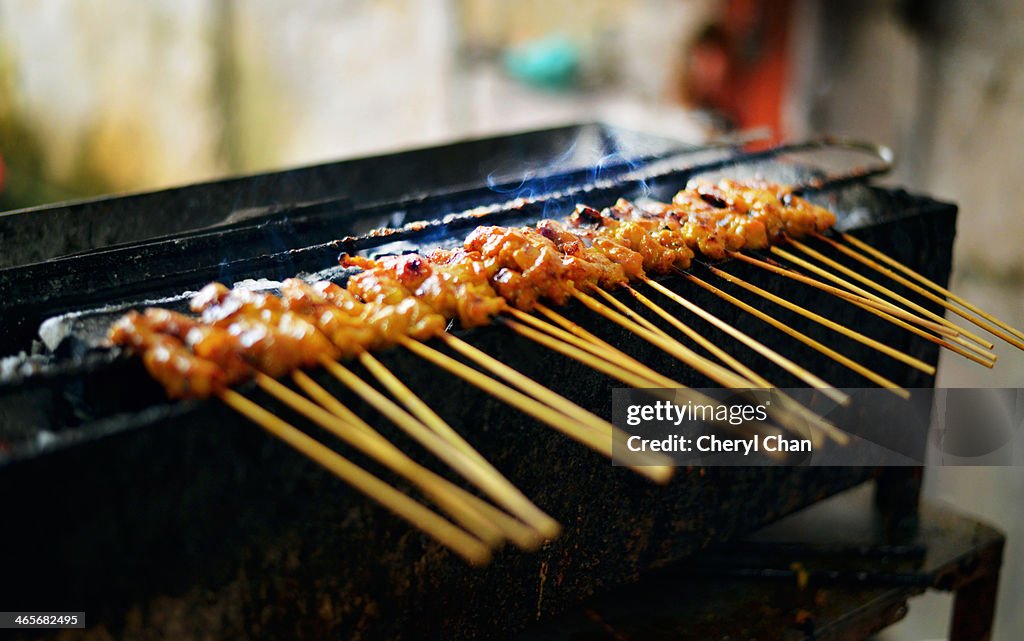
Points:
[118,95]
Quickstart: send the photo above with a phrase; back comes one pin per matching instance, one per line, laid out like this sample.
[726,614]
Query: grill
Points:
[129,506]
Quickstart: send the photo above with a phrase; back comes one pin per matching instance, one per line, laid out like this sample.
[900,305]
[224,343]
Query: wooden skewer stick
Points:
[805,339]
[568,330]
[846,294]
[629,313]
[864,260]
[788,365]
[589,359]
[494,485]
[715,372]
[601,443]
[974,347]
[810,251]
[417,407]
[695,336]
[865,304]
[785,417]
[519,533]
[617,362]
[435,487]
[657,468]
[969,349]
[902,357]
[932,284]
[429,522]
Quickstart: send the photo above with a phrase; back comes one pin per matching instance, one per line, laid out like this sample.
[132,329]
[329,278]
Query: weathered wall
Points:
[942,82]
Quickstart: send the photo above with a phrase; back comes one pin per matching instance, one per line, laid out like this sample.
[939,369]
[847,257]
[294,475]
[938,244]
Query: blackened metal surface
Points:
[858,581]
[185,520]
[41,233]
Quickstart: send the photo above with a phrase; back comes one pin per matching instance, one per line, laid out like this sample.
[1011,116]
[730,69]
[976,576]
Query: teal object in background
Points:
[551,62]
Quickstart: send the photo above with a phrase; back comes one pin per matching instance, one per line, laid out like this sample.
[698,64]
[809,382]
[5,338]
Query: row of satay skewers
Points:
[514,276]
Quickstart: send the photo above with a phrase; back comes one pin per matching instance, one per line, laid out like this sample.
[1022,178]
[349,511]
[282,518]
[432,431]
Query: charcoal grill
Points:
[183,518]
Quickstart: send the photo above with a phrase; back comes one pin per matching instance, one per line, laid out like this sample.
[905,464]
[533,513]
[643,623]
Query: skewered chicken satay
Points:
[390,306]
[658,240]
[522,265]
[775,206]
[342,323]
[279,339]
[458,288]
[452,283]
[586,266]
[205,341]
[181,373]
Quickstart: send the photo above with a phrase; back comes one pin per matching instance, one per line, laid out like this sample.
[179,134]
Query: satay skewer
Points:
[788,365]
[632,315]
[496,486]
[846,294]
[792,415]
[864,260]
[713,371]
[448,534]
[417,406]
[867,373]
[588,341]
[861,278]
[657,468]
[853,240]
[600,363]
[701,340]
[902,357]
[952,334]
[526,404]
[602,443]
[518,532]
[868,306]
[374,445]
[620,361]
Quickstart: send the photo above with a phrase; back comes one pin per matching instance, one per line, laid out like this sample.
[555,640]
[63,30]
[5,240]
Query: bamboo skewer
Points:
[853,240]
[589,359]
[967,348]
[630,314]
[695,336]
[658,468]
[436,488]
[784,415]
[796,370]
[790,405]
[519,533]
[568,331]
[810,251]
[443,531]
[821,320]
[638,372]
[493,484]
[846,294]
[864,260]
[526,404]
[865,304]
[715,372]
[871,375]
[416,406]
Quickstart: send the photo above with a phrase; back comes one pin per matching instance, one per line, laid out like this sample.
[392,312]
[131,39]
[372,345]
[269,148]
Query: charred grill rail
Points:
[174,509]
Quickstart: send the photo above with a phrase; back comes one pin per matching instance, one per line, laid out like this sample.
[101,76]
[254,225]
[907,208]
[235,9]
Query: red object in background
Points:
[738,66]
[3,173]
